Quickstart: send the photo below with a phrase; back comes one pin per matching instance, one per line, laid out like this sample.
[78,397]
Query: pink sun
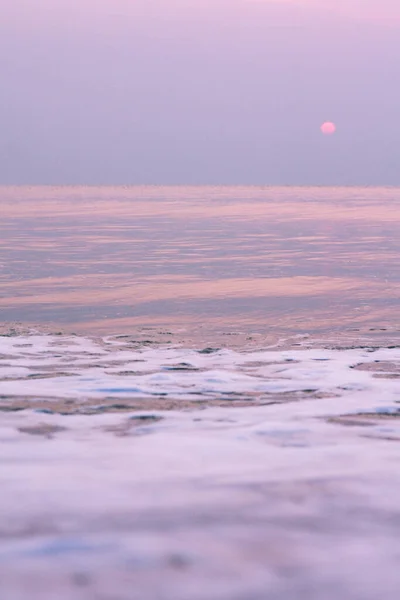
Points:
[328,128]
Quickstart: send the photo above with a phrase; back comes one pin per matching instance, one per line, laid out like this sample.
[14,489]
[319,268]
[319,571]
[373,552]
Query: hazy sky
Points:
[199,91]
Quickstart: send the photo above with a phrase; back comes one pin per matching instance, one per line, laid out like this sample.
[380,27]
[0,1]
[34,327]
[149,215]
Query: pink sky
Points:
[199,91]
[381,9]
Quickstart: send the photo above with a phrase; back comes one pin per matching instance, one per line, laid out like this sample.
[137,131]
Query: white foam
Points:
[40,367]
[199,504]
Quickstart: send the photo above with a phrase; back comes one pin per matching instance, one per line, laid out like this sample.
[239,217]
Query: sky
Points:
[199,92]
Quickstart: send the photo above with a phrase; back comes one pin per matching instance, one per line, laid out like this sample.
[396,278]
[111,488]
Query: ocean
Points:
[199,393]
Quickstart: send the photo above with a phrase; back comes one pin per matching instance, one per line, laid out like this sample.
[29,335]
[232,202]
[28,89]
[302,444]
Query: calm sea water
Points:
[109,259]
[146,456]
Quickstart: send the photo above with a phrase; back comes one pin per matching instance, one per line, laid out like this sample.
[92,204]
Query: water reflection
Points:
[289,258]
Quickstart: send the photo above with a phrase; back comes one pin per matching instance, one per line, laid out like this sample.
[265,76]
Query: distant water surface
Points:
[251,258]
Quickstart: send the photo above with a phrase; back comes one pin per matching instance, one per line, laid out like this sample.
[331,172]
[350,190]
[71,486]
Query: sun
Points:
[328,128]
